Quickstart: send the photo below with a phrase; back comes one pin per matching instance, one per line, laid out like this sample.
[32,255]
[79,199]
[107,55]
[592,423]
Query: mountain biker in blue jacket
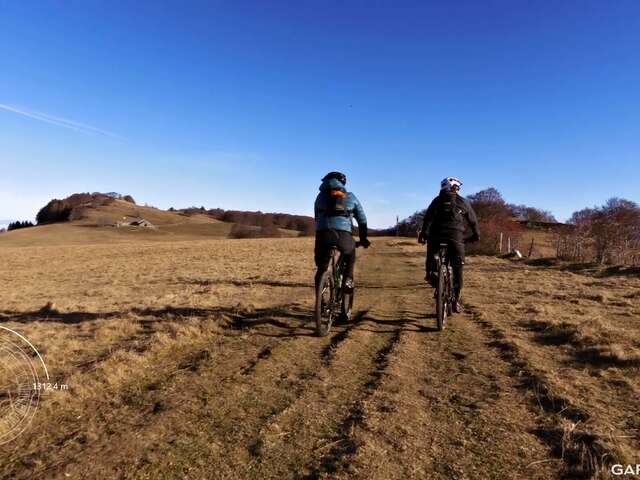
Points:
[334,209]
[445,221]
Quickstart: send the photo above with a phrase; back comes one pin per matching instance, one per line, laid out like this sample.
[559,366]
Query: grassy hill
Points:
[97,225]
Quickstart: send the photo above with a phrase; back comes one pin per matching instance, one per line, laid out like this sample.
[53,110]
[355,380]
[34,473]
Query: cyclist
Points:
[334,209]
[445,221]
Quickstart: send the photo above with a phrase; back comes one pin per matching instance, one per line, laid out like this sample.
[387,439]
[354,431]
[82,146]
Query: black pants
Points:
[325,239]
[455,250]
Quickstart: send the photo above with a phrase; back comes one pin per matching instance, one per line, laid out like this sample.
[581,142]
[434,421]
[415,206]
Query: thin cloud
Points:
[60,122]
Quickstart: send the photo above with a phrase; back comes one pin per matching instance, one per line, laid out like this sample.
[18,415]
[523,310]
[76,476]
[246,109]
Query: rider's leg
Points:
[325,239]
[347,246]
[430,262]
[456,251]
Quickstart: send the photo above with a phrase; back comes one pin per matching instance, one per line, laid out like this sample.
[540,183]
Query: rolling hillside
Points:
[96,225]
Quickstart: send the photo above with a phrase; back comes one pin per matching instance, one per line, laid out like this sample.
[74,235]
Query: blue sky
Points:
[245,105]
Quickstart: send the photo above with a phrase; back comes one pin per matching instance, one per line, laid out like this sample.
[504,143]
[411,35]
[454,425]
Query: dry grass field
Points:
[197,359]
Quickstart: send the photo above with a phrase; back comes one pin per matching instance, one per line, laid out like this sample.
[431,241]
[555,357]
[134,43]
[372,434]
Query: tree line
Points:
[269,222]
[18,225]
[495,217]
[609,234]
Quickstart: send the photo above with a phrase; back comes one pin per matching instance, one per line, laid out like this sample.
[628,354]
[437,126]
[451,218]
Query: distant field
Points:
[197,359]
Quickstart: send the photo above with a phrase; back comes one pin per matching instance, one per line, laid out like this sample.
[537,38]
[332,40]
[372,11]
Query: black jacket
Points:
[447,217]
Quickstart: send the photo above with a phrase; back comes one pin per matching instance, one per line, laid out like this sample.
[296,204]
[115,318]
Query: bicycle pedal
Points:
[347,287]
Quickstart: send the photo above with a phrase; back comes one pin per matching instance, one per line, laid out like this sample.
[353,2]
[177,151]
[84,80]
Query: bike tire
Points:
[450,297]
[441,299]
[324,304]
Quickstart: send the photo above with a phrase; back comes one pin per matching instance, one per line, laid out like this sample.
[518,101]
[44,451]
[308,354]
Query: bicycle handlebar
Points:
[468,239]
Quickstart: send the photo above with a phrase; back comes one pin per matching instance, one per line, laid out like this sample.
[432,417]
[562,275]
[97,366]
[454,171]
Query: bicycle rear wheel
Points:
[324,304]
[441,298]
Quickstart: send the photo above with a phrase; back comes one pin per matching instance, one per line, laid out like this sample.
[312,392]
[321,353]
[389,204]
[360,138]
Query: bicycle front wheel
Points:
[324,304]
[441,298]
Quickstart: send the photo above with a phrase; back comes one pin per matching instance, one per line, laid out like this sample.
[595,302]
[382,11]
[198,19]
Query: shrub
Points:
[243,231]
[54,211]
[270,231]
[72,207]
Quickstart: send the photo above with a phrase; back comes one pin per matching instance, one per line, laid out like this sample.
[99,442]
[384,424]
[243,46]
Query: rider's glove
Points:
[363,232]
[475,237]
[421,238]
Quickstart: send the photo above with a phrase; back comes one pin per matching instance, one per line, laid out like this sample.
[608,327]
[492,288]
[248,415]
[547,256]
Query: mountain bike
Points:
[332,301]
[444,287]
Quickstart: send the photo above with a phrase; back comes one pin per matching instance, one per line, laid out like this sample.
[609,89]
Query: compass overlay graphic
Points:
[21,371]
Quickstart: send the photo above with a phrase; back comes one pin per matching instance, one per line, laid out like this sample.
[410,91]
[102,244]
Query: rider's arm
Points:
[316,208]
[361,218]
[358,211]
[429,216]
[471,218]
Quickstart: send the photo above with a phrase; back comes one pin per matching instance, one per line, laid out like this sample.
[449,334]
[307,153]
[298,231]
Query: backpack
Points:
[448,213]
[337,206]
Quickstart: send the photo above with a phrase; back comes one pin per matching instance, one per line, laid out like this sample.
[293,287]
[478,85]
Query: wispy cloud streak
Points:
[58,121]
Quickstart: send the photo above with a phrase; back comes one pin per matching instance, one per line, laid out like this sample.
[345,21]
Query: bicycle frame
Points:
[444,289]
[339,303]
[337,268]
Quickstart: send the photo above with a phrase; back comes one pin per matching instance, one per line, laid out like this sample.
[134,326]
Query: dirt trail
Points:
[250,392]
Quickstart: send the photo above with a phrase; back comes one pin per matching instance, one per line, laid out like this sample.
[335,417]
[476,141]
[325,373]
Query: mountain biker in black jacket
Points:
[445,221]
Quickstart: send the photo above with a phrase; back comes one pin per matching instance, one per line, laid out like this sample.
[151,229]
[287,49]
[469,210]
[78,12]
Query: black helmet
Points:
[341,177]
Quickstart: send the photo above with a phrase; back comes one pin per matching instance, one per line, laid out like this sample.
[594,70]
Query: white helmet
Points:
[450,182]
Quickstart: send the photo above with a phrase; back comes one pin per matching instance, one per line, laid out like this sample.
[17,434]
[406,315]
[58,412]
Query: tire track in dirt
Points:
[583,453]
[444,407]
[313,434]
[339,370]
[223,368]
[344,445]
[263,366]
[144,404]
[584,410]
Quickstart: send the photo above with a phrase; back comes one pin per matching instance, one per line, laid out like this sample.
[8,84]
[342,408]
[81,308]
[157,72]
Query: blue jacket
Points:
[324,202]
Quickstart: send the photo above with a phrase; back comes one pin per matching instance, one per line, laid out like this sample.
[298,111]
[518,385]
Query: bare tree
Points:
[606,234]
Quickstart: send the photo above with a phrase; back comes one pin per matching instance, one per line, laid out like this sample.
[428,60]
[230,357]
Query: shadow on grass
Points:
[604,357]
[548,333]
[583,352]
[287,317]
[590,268]
[542,262]
[281,321]
[620,270]
[248,283]
[278,283]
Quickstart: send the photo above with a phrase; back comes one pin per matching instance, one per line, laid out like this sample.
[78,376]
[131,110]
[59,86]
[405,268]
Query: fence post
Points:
[500,242]
[508,244]
[531,247]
